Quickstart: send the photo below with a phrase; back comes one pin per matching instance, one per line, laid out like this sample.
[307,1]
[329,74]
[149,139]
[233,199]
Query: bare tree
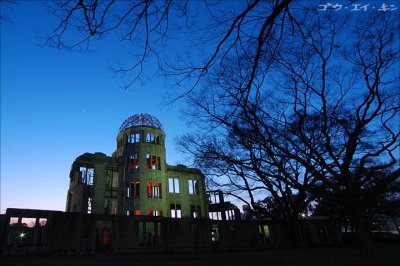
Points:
[151,25]
[241,166]
[295,88]
[346,109]
[333,107]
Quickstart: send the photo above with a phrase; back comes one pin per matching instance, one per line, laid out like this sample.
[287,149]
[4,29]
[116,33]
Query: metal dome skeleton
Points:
[141,120]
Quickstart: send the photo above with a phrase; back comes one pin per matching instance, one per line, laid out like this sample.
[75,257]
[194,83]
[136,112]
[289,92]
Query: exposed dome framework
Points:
[141,120]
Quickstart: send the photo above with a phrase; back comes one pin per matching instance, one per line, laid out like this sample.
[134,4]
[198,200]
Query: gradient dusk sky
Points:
[57,105]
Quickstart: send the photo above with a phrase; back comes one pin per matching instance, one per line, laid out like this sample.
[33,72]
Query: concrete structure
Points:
[136,179]
[219,209]
[25,231]
[129,202]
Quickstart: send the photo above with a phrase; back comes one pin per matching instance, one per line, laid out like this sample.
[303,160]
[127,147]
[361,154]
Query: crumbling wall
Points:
[37,231]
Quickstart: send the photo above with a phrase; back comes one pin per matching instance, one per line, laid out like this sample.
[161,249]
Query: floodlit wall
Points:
[191,198]
[136,180]
[142,162]
[94,184]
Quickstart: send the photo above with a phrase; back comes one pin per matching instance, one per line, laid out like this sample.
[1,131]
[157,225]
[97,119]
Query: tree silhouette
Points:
[326,97]
[285,99]
[150,25]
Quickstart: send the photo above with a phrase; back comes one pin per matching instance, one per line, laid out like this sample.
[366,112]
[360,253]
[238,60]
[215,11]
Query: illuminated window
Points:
[215,215]
[214,233]
[42,221]
[173,185]
[133,161]
[153,162]
[214,197]
[28,222]
[134,190]
[154,213]
[195,211]
[230,215]
[154,190]
[87,174]
[193,187]
[176,211]
[152,138]
[134,138]
[13,220]
[148,161]
[89,204]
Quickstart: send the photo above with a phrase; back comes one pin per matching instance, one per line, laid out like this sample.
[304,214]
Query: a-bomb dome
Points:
[141,120]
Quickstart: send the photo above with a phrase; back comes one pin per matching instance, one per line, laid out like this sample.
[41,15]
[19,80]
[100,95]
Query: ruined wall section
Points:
[136,180]
[94,185]
[142,166]
[25,231]
[191,197]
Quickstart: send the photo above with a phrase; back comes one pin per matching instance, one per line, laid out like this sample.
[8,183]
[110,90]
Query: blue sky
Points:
[56,105]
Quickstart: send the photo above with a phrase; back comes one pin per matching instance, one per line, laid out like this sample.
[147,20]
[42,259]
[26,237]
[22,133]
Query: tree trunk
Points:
[364,237]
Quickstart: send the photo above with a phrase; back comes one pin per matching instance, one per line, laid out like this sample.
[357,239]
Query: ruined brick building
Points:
[129,202]
[136,180]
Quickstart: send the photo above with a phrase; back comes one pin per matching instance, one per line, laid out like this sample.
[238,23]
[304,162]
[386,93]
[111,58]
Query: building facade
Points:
[136,179]
[129,202]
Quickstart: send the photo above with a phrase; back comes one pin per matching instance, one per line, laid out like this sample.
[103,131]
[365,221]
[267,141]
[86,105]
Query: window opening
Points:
[153,162]
[154,212]
[193,187]
[111,179]
[134,138]
[195,211]
[89,205]
[28,222]
[173,185]
[154,190]
[152,138]
[176,211]
[42,221]
[215,215]
[133,161]
[110,206]
[13,220]
[214,233]
[134,190]
[87,174]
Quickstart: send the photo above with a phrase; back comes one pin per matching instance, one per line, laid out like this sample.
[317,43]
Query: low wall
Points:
[37,231]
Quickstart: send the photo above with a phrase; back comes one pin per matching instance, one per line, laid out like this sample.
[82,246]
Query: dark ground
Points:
[387,254]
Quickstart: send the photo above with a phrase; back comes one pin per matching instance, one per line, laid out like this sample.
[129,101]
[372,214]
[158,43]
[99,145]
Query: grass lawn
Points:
[387,254]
